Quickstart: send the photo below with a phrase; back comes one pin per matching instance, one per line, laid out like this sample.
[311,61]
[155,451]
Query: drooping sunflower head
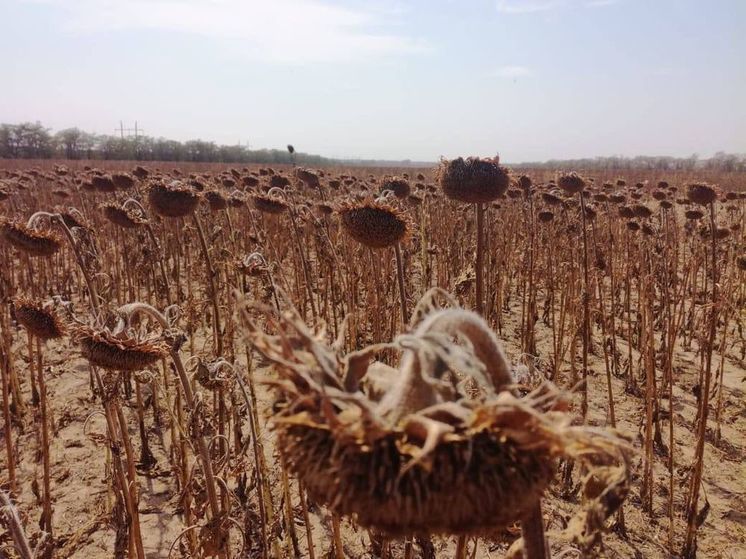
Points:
[374,223]
[34,242]
[39,319]
[173,199]
[473,180]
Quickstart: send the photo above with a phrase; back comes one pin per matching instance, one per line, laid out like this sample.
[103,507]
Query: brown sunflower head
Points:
[601,197]
[642,211]
[374,223]
[140,172]
[617,198]
[249,181]
[213,375]
[398,185]
[123,181]
[104,349]
[308,177]
[571,183]
[216,200]
[524,182]
[551,198]
[173,199]
[121,216]
[472,465]
[414,199]
[268,203]
[279,181]
[103,183]
[473,180]
[324,209]
[38,319]
[31,241]
[236,199]
[702,194]
[72,218]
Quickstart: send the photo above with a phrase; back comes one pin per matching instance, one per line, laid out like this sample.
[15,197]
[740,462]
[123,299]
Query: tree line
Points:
[721,161]
[32,140]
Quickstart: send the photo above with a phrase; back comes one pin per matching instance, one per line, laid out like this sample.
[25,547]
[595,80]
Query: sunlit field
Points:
[462,361]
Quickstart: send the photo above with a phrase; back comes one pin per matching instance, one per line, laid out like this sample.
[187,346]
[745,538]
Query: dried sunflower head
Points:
[118,352]
[642,211]
[702,194]
[278,181]
[173,199]
[140,172]
[216,200]
[103,183]
[473,180]
[40,320]
[398,185]
[214,374]
[446,448]
[741,262]
[308,177]
[270,204]
[122,181]
[374,223]
[121,216]
[72,218]
[33,242]
[571,183]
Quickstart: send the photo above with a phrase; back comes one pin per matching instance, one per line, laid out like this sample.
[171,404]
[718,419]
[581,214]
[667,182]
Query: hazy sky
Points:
[531,79]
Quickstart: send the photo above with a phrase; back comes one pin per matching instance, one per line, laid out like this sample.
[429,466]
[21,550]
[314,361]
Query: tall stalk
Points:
[690,545]
[479,266]
[212,289]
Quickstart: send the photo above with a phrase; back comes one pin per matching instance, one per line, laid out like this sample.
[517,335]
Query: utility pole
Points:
[138,131]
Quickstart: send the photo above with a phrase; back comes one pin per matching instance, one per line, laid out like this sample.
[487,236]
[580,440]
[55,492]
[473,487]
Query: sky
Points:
[390,79]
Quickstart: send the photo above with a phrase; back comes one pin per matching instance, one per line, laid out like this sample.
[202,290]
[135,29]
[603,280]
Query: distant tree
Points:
[7,142]
[232,154]
[74,142]
[108,146]
[28,140]
[199,150]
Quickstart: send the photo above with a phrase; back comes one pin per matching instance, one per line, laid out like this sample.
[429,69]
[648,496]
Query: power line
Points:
[137,131]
